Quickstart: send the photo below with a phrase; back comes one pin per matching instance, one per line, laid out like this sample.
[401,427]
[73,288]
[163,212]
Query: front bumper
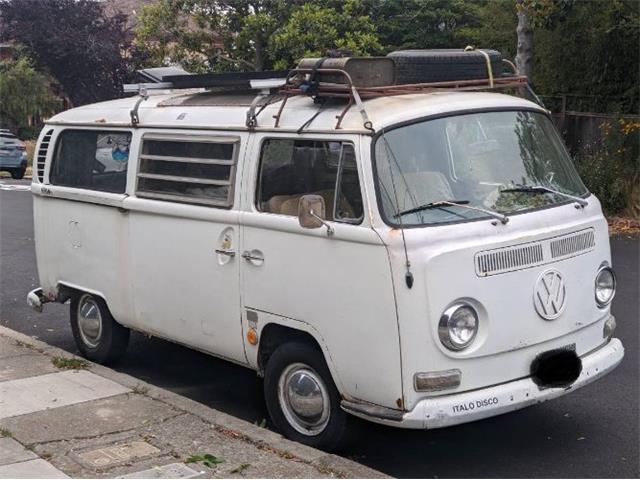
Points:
[447,410]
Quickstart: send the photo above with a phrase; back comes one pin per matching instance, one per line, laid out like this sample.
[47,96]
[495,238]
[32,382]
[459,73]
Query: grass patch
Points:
[206,459]
[5,433]
[69,363]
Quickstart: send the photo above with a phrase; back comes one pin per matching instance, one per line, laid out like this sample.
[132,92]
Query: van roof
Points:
[203,110]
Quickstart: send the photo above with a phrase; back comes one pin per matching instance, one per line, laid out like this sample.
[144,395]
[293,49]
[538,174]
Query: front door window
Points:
[290,169]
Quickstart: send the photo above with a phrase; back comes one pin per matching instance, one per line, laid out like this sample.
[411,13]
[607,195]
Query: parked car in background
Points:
[13,154]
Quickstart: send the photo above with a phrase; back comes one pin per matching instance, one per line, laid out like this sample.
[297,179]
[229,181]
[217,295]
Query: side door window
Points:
[291,168]
[91,159]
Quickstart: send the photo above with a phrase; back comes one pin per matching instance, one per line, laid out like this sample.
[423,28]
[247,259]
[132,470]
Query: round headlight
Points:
[605,286]
[458,326]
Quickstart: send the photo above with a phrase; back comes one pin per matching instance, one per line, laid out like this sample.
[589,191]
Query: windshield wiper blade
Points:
[453,203]
[540,189]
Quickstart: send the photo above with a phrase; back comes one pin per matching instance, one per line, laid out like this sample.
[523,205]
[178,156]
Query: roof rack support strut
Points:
[135,118]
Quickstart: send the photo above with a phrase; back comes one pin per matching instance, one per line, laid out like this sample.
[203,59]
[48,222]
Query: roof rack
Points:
[172,78]
[302,81]
[298,83]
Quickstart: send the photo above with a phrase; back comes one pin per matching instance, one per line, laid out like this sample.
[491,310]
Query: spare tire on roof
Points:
[423,66]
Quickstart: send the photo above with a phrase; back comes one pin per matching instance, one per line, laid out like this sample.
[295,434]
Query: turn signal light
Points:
[434,381]
[252,336]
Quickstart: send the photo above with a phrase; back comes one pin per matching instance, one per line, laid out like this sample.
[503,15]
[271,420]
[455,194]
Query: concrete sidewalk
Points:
[61,416]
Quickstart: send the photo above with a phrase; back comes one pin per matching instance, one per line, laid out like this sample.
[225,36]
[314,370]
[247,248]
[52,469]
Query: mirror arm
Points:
[330,230]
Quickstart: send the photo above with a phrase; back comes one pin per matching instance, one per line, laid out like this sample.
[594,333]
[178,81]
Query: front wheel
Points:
[98,336]
[301,397]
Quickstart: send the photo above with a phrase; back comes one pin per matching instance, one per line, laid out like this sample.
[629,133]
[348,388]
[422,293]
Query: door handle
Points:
[228,253]
[253,256]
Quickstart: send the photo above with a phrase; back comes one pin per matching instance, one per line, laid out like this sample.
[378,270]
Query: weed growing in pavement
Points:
[262,423]
[5,433]
[69,363]
[241,468]
[207,460]
[18,343]
[140,389]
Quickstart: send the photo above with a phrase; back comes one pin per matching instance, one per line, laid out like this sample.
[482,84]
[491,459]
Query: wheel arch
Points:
[273,334]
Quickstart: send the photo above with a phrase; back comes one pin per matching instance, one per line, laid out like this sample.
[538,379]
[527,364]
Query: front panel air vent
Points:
[533,254]
[510,258]
[42,155]
[570,244]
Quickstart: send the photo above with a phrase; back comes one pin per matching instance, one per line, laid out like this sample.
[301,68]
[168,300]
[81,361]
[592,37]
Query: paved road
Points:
[593,432]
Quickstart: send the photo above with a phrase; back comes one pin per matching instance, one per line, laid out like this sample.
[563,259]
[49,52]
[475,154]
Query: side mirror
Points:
[311,213]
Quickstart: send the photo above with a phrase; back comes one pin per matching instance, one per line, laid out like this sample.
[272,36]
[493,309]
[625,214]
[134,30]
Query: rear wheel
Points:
[98,336]
[302,399]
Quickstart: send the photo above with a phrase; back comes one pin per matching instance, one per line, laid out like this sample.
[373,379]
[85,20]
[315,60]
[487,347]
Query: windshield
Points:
[472,159]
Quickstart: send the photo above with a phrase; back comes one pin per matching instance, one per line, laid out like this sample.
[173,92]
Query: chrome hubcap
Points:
[304,399]
[89,321]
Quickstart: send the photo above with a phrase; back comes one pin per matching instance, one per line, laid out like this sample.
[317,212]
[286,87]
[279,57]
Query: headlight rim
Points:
[444,330]
[604,266]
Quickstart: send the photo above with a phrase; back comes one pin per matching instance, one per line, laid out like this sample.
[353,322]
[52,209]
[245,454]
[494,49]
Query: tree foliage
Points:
[25,94]
[312,30]
[75,41]
[255,35]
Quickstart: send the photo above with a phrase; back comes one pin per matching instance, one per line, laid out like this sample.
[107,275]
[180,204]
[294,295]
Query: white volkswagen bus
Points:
[434,260]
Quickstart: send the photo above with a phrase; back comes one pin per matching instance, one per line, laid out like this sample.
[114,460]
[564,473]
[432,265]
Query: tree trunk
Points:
[259,57]
[524,56]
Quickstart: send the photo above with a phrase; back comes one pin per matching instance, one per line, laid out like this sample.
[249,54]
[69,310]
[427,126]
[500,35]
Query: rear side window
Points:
[91,159]
[290,169]
[188,171]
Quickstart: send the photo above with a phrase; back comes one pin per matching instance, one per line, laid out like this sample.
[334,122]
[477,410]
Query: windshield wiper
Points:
[540,189]
[453,203]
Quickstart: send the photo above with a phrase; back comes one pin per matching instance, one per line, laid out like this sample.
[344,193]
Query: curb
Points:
[225,423]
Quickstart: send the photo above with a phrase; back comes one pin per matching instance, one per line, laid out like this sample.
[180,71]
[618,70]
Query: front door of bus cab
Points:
[309,280]
[183,223]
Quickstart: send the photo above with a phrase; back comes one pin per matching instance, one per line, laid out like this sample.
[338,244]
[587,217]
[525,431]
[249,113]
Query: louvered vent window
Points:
[42,155]
[194,171]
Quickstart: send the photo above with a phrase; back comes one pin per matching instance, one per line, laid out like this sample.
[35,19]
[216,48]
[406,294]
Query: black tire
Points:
[17,173]
[333,435]
[423,66]
[110,344]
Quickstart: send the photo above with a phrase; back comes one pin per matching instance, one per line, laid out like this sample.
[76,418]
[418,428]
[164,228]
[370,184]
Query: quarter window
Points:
[290,169]
[185,171]
[91,159]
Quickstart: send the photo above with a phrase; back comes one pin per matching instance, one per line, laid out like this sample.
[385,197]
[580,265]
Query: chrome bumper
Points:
[36,299]
[447,410]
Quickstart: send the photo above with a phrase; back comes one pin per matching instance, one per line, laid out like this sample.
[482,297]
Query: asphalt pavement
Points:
[593,432]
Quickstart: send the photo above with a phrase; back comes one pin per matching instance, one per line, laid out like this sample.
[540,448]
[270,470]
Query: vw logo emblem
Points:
[550,295]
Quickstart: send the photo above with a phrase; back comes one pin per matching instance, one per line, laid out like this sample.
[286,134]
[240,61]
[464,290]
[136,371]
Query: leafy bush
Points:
[610,167]
[25,96]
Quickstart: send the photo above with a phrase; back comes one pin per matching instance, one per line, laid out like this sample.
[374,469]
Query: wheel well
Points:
[274,335]
[66,292]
